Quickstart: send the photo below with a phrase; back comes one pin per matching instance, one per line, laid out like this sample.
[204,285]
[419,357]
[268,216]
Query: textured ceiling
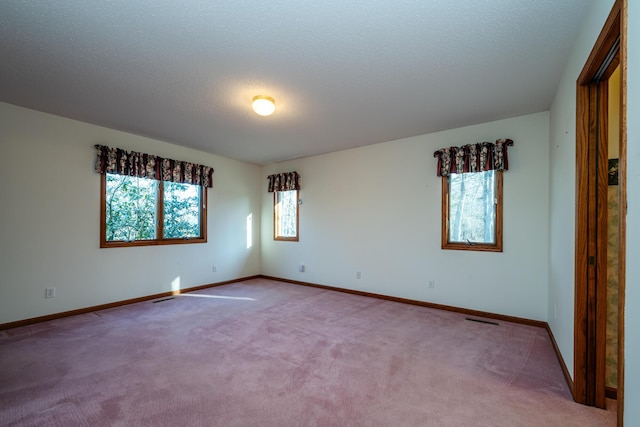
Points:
[343,73]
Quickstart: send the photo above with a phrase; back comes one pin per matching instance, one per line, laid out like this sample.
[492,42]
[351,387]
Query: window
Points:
[472,194]
[284,187]
[472,211]
[285,215]
[140,211]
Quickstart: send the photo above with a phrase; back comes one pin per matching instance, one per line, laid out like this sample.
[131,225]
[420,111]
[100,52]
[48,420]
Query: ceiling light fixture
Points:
[263,105]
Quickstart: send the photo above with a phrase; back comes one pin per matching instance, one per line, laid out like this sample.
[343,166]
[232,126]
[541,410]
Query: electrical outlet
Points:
[432,284]
[555,311]
[358,275]
[214,268]
[50,292]
[301,268]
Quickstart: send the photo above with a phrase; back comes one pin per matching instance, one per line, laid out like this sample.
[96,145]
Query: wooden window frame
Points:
[275,219]
[474,246]
[159,240]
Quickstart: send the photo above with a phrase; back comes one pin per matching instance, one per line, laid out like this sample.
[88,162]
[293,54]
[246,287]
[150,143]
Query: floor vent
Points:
[161,300]
[489,322]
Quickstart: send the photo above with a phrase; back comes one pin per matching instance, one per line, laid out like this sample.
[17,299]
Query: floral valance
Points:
[482,156]
[121,162]
[284,181]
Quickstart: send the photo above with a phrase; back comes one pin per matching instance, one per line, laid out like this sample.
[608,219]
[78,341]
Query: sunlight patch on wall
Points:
[249,231]
[175,286]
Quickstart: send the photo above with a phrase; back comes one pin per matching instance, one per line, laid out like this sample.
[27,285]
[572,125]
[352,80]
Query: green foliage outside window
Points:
[132,209]
[181,210]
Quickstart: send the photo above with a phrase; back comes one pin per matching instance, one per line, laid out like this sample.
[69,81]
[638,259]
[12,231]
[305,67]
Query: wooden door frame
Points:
[591,220]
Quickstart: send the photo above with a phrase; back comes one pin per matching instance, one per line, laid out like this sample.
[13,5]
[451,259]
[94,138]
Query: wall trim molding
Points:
[563,365]
[478,313]
[54,316]
[505,318]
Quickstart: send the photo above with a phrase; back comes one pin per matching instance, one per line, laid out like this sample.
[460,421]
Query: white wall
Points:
[632,310]
[49,221]
[377,210]
[562,136]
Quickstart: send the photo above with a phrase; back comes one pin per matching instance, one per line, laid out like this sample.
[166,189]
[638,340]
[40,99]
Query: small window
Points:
[139,212]
[472,211]
[285,215]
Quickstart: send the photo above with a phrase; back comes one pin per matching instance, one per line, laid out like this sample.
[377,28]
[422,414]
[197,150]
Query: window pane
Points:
[181,210]
[130,208]
[286,217]
[472,208]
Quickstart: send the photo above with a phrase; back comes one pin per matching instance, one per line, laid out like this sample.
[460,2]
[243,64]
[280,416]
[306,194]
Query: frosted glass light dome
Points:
[263,105]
